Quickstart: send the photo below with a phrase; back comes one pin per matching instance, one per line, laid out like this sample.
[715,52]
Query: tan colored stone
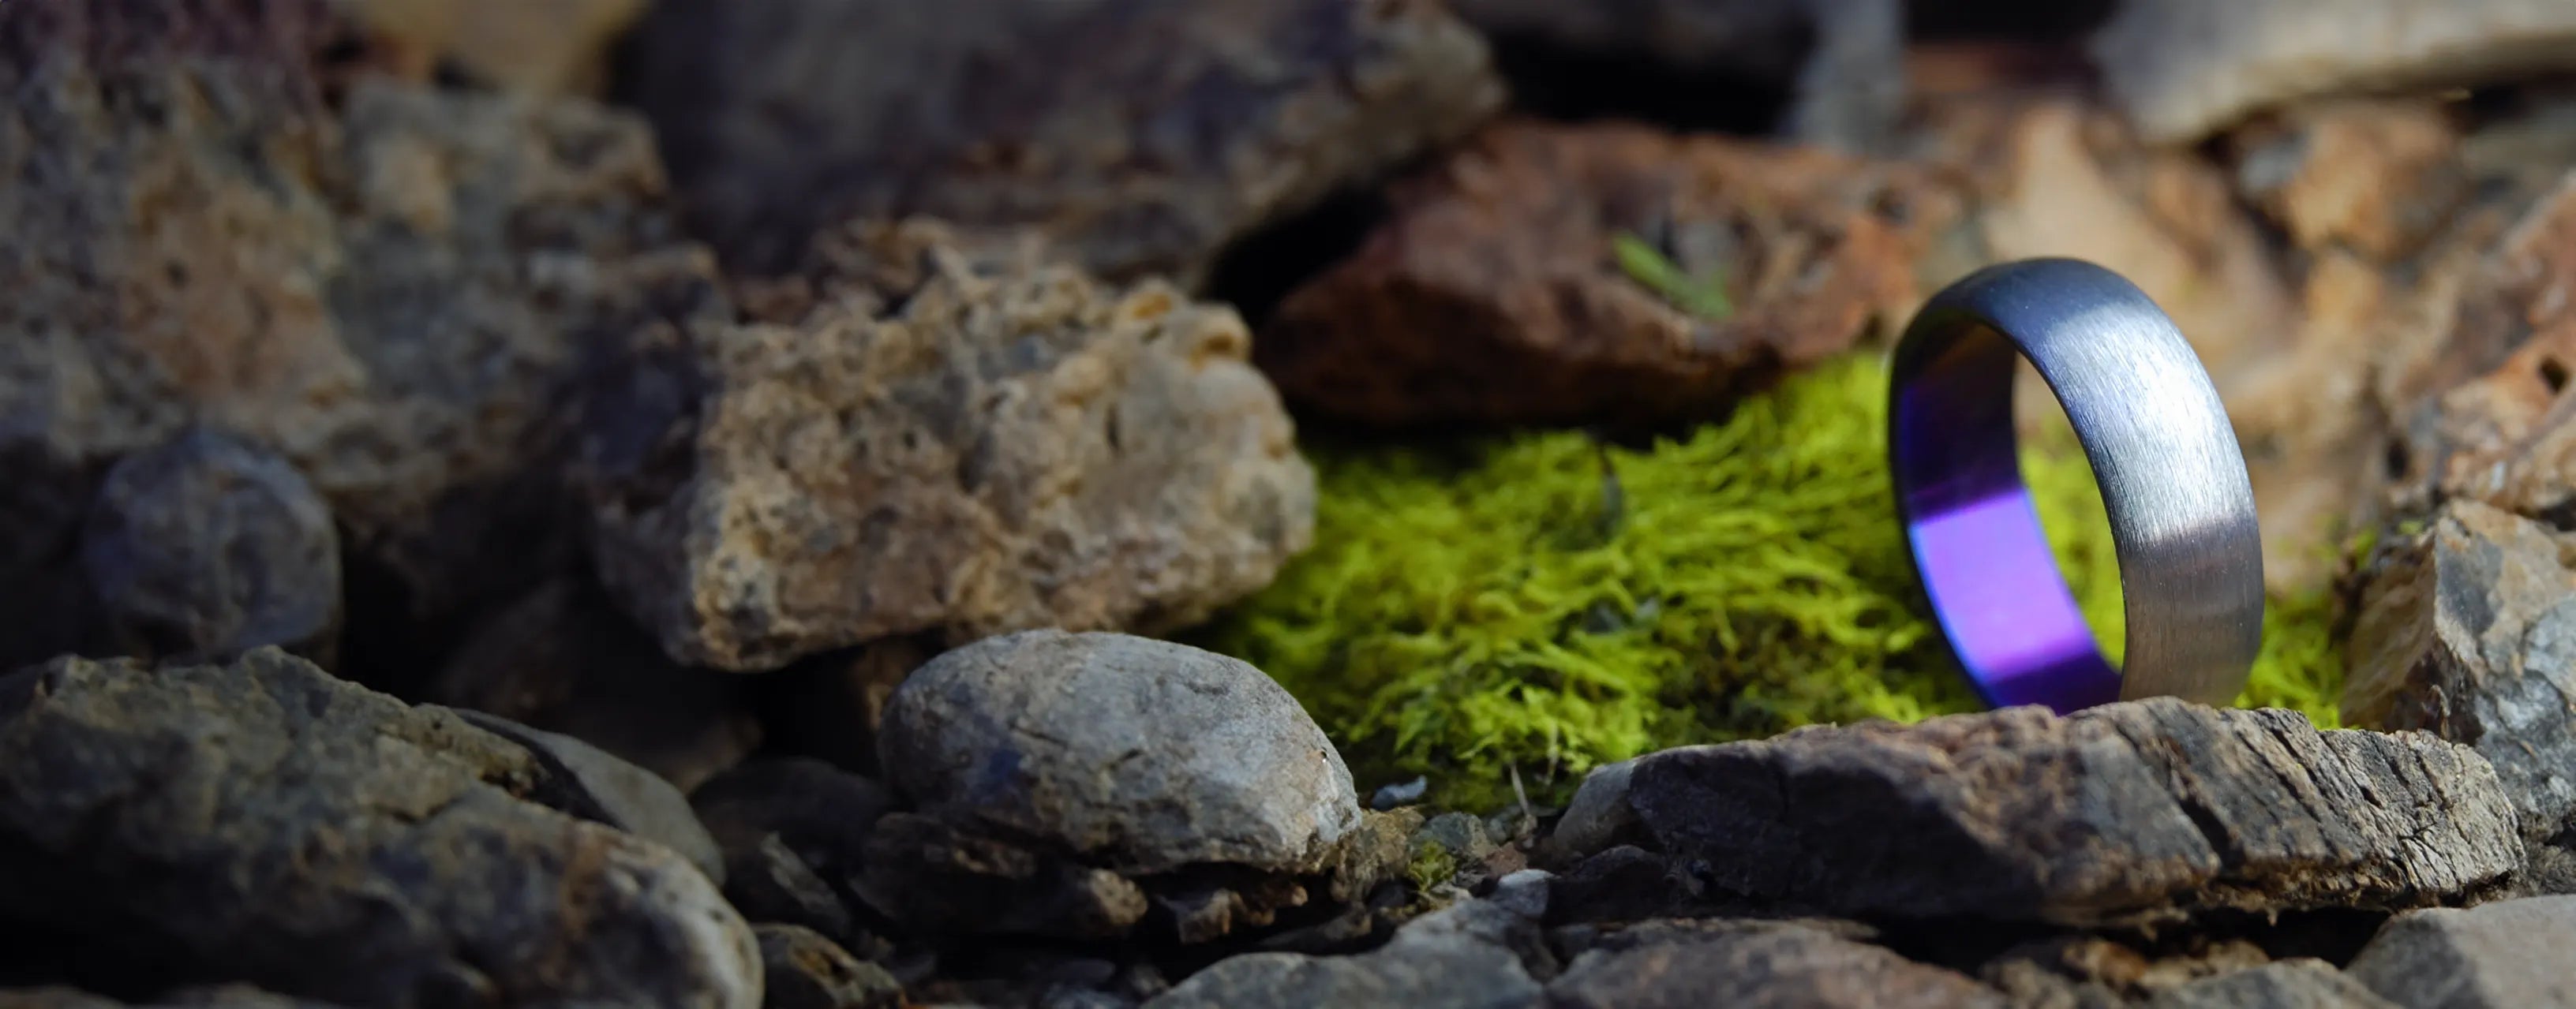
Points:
[1496,295]
[2377,177]
[540,47]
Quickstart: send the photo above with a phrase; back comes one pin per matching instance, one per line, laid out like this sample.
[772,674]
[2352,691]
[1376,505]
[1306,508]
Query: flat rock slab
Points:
[2185,68]
[264,822]
[1182,127]
[2507,954]
[2128,812]
[1026,449]
[1549,273]
[1756,965]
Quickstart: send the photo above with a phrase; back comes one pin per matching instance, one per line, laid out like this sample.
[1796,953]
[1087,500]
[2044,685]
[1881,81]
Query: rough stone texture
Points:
[1836,57]
[543,47]
[205,547]
[588,782]
[2469,631]
[2128,812]
[219,997]
[1024,450]
[1599,815]
[2184,68]
[806,971]
[1470,956]
[1182,127]
[795,834]
[2510,953]
[938,880]
[771,884]
[386,295]
[1494,294]
[565,660]
[2078,970]
[2375,176]
[1757,964]
[1144,756]
[2288,984]
[264,822]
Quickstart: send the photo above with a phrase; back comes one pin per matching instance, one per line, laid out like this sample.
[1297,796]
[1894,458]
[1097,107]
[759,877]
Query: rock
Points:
[938,880]
[2510,953]
[806,971]
[2184,68]
[770,884]
[1461,834]
[263,822]
[1523,892]
[218,997]
[1402,793]
[1598,816]
[1834,56]
[2375,176]
[2288,984]
[795,834]
[1497,292]
[1757,964]
[385,290]
[1468,956]
[564,660]
[205,547]
[547,47]
[587,782]
[1005,452]
[2468,631]
[1623,883]
[1183,127]
[828,706]
[2130,812]
[1145,756]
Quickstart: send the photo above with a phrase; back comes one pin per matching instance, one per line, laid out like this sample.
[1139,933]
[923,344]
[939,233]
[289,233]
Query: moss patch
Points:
[1545,602]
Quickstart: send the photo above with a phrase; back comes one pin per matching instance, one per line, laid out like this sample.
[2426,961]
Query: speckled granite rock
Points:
[1181,127]
[2129,812]
[261,821]
[2184,68]
[1030,449]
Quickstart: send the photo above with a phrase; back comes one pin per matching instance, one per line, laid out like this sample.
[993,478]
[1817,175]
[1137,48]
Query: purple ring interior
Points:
[1978,544]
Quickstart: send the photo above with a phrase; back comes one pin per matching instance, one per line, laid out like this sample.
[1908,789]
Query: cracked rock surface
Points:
[2128,812]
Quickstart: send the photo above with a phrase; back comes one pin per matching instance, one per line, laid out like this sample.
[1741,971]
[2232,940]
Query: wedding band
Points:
[2162,451]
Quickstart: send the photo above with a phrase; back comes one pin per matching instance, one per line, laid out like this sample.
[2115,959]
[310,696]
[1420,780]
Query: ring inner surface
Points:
[1977,539]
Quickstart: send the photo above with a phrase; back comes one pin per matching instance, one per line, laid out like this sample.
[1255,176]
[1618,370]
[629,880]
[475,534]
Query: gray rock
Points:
[2185,68]
[1003,451]
[1138,755]
[1468,956]
[1462,834]
[1599,815]
[770,884]
[2469,631]
[263,822]
[806,971]
[205,547]
[1184,125]
[1402,793]
[1756,964]
[214,997]
[938,880]
[2128,812]
[1524,892]
[822,813]
[562,659]
[2506,954]
[588,782]
[2286,984]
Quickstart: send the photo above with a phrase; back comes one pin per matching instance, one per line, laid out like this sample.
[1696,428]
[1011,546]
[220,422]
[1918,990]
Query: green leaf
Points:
[1704,297]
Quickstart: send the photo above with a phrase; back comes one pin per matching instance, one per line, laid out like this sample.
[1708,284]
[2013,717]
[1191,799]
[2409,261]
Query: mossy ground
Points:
[1544,602]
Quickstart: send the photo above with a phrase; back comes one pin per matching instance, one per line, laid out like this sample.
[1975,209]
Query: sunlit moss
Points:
[1546,602]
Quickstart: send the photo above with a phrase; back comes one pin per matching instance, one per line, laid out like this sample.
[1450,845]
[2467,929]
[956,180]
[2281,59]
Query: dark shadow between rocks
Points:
[1552,81]
[1259,270]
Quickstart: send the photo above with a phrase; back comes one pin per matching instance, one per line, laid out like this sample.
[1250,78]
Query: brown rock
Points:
[2376,176]
[1756,964]
[1182,127]
[563,659]
[2469,631]
[386,294]
[1026,450]
[1497,292]
[2185,68]
[2130,812]
[540,47]
[264,822]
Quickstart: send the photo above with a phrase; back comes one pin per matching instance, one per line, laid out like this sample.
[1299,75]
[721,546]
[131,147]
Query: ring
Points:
[2163,454]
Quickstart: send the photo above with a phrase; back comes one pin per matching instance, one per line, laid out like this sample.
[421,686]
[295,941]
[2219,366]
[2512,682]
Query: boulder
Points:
[2509,953]
[261,821]
[2130,812]
[1030,449]
[1472,955]
[1755,964]
[2468,631]
[806,971]
[1183,127]
[205,547]
[1553,273]
[2185,68]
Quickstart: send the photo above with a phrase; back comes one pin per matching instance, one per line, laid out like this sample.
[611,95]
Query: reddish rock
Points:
[1496,294]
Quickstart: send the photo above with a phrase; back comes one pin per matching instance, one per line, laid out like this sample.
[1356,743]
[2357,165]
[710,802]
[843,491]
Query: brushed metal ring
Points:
[2171,474]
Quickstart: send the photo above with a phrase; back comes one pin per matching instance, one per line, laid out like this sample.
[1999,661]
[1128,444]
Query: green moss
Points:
[1430,865]
[1545,603]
